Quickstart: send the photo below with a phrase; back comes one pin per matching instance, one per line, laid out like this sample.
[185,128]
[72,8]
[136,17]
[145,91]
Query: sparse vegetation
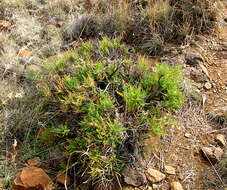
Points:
[96,92]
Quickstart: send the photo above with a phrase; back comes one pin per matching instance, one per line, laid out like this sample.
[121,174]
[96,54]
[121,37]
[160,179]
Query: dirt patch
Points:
[181,149]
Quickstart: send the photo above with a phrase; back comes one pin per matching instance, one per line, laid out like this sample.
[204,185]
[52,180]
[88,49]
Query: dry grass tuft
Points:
[150,24]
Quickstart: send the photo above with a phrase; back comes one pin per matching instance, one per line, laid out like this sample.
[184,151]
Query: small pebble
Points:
[187,135]
[221,140]
[207,86]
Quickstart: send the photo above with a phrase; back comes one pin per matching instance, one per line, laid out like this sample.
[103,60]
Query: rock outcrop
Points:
[32,178]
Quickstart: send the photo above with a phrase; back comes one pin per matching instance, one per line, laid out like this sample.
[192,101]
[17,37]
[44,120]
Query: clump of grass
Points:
[149,24]
[27,28]
[100,93]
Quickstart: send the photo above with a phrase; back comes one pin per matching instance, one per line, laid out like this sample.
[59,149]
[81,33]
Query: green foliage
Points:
[7,172]
[134,97]
[50,134]
[105,44]
[34,149]
[86,50]
[61,131]
[164,84]
[108,98]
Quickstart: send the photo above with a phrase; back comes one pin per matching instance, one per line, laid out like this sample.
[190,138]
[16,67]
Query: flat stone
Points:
[221,140]
[187,135]
[170,170]
[176,186]
[32,178]
[154,176]
[134,177]
[63,179]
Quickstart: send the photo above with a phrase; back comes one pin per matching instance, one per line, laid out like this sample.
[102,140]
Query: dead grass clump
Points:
[27,28]
[151,24]
[81,26]
[158,22]
[8,49]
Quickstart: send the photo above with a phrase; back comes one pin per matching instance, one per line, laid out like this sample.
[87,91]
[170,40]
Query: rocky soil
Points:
[188,156]
[192,150]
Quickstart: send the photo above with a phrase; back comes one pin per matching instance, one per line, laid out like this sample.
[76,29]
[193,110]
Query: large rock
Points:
[154,176]
[32,178]
[212,154]
[134,177]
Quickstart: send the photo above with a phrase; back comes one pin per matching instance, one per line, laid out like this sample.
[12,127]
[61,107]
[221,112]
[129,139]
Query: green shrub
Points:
[109,98]
[134,97]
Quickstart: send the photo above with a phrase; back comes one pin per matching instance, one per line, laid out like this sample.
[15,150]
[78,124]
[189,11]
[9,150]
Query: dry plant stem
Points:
[219,177]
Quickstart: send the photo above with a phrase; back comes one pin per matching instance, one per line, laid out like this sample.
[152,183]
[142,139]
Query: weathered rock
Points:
[134,177]
[170,170]
[154,176]
[34,161]
[176,186]
[221,140]
[207,86]
[63,179]
[212,154]
[32,178]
